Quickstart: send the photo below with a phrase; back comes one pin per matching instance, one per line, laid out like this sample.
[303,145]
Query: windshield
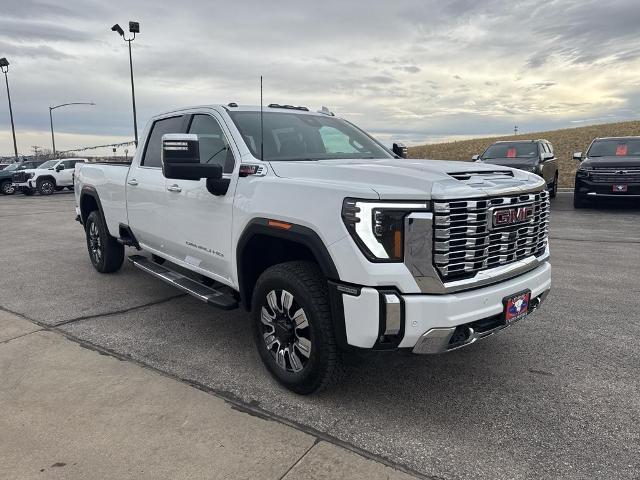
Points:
[615,148]
[48,164]
[511,150]
[291,136]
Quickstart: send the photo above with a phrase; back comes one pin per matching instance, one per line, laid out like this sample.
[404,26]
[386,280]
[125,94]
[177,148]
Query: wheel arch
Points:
[89,201]
[46,177]
[262,245]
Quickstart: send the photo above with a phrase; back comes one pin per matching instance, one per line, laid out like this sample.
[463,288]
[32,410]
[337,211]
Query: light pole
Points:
[4,67]
[134,27]
[51,109]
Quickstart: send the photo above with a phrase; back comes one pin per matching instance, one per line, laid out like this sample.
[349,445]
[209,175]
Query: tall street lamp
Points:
[134,27]
[4,67]
[51,109]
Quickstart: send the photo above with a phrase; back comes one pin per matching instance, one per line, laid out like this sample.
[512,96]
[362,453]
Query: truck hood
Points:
[411,178]
[611,162]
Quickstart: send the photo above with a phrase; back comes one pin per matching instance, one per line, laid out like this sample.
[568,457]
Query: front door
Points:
[199,228]
[146,188]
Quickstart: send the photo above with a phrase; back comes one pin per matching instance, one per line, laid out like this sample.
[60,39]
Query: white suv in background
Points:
[52,175]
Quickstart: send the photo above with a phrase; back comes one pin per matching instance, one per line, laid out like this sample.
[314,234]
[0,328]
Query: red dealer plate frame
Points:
[516,306]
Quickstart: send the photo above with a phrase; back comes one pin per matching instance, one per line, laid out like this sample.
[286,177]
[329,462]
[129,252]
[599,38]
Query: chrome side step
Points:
[192,287]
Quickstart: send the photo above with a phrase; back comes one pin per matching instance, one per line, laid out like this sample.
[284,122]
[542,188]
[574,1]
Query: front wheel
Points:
[293,330]
[105,252]
[46,186]
[7,188]
[27,191]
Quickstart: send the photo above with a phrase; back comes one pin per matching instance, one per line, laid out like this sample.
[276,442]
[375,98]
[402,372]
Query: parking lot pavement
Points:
[69,412]
[554,397]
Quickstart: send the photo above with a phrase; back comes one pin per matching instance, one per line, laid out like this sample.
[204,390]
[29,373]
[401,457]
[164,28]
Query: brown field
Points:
[565,142]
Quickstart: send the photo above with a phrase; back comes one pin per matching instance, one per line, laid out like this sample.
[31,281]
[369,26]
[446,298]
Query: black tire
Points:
[27,191]
[105,252]
[554,189]
[7,188]
[308,289]
[59,189]
[579,201]
[70,188]
[46,186]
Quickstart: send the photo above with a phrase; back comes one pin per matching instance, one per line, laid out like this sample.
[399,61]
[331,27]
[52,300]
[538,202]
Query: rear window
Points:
[154,147]
[615,148]
[511,150]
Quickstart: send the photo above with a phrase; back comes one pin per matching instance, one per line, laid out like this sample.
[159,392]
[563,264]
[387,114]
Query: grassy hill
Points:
[565,142]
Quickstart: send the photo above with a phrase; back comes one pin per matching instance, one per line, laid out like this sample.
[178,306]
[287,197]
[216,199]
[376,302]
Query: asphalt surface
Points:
[557,396]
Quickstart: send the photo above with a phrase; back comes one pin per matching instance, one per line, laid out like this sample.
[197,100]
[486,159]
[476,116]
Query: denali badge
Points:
[510,216]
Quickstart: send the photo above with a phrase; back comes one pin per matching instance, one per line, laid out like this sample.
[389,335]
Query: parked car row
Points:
[610,168]
[42,176]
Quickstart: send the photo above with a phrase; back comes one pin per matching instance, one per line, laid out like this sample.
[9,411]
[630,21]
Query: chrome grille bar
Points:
[466,242]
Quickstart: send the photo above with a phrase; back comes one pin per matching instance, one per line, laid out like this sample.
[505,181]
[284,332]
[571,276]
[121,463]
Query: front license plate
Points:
[516,306]
[620,188]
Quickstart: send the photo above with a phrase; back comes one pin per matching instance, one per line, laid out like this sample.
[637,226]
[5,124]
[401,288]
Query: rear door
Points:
[198,222]
[146,194]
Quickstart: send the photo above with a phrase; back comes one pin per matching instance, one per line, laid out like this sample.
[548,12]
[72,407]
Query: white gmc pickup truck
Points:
[332,241]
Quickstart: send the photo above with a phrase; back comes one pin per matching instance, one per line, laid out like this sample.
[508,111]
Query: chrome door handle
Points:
[174,188]
[133,182]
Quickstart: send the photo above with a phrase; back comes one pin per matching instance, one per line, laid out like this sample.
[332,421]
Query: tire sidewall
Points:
[44,182]
[94,217]
[306,380]
[7,191]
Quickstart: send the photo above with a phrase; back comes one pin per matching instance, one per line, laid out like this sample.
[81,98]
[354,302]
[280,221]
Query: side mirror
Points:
[400,149]
[59,167]
[181,158]
[577,156]
[475,158]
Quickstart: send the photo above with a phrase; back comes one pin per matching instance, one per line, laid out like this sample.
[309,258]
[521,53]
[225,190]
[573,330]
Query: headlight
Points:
[377,227]
[583,171]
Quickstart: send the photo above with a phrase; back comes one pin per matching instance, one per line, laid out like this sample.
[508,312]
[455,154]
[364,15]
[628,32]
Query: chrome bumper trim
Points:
[436,340]
[612,195]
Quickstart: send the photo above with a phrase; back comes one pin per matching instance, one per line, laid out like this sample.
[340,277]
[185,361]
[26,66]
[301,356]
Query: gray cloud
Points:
[411,68]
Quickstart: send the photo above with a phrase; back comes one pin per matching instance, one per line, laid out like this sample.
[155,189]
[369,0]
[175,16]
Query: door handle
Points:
[174,188]
[133,182]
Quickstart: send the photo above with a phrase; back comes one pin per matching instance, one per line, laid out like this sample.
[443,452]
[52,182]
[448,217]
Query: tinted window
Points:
[214,147]
[511,150]
[69,164]
[292,136]
[615,148]
[154,143]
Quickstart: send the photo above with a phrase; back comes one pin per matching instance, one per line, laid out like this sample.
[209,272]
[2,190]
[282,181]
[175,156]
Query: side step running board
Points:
[200,291]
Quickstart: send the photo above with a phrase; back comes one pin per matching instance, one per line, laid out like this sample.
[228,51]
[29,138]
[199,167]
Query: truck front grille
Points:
[19,177]
[466,242]
[616,175]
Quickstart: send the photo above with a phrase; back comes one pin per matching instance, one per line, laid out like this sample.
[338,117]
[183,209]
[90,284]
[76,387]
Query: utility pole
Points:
[515,130]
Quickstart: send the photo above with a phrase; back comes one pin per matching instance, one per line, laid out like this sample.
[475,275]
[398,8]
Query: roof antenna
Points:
[261,124]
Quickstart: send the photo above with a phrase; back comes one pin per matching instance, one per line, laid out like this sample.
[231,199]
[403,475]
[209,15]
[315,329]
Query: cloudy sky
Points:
[415,70]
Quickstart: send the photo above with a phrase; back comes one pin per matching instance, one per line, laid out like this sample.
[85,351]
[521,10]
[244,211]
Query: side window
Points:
[154,143]
[69,164]
[337,142]
[550,148]
[214,147]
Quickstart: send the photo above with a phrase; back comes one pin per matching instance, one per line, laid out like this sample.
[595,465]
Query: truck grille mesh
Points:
[19,177]
[465,242]
[616,175]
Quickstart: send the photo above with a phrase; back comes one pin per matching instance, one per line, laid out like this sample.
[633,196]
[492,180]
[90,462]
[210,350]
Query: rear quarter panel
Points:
[109,182]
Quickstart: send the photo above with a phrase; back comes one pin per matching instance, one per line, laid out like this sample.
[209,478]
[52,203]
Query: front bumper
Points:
[605,189]
[26,184]
[434,323]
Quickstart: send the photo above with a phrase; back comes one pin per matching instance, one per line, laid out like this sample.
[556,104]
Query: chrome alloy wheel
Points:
[47,187]
[287,335]
[95,244]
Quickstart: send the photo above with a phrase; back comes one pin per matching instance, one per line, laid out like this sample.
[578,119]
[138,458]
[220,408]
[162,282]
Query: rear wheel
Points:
[46,186]
[7,188]
[105,252]
[293,328]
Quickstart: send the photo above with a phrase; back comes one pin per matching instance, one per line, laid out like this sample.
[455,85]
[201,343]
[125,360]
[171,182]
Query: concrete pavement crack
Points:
[117,312]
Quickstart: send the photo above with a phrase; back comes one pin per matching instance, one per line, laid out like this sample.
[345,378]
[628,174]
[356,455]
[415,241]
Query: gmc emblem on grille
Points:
[510,216]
